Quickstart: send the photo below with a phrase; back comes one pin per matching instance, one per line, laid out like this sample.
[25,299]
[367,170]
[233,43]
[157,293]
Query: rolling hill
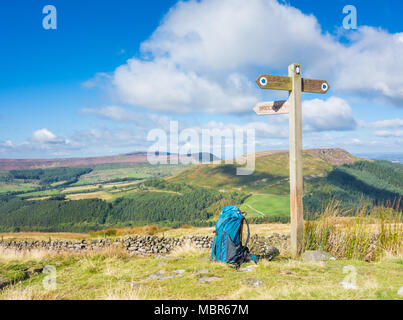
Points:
[330,176]
[271,171]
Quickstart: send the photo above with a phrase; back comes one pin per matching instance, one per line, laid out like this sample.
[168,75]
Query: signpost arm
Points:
[296,175]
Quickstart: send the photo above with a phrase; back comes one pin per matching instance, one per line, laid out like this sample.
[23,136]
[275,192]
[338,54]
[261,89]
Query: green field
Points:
[17,187]
[267,205]
[38,194]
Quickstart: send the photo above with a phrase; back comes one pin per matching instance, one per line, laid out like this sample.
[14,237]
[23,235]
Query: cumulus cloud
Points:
[205,56]
[372,65]
[44,136]
[384,124]
[333,114]
[160,85]
[387,133]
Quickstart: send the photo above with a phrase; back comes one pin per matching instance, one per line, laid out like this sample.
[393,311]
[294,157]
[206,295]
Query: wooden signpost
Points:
[295,85]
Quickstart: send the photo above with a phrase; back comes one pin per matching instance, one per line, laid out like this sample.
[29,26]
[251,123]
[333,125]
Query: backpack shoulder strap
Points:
[247,237]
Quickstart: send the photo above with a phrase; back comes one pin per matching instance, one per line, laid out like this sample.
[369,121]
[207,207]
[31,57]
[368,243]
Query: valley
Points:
[120,195]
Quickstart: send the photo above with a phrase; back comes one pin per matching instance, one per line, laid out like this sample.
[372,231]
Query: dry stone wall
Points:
[145,245]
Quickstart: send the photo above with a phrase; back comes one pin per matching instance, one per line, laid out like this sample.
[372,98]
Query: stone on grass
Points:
[248,268]
[179,271]
[254,282]
[270,253]
[158,275]
[208,279]
[400,292]
[316,256]
[203,271]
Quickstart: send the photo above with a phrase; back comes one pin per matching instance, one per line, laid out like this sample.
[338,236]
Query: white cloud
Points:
[160,85]
[204,55]
[333,114]
[385,124]
[386,133]
[44,136]
[8,144]
[372,65]
[228,34]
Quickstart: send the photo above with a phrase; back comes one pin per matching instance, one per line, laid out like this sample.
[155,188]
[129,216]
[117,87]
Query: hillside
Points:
[271,172]
[330,175]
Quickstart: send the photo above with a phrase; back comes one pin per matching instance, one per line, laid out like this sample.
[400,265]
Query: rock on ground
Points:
[248,268]
[208,279]
[316,255]
[254,282]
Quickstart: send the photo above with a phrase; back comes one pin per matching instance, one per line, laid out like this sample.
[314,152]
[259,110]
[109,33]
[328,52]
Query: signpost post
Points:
[295,84]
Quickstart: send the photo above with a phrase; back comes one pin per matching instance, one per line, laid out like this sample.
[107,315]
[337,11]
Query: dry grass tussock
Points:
[186,250]
[112,232]
[11,254]
[367,235]
[39,236]
[124,291]
[18,292]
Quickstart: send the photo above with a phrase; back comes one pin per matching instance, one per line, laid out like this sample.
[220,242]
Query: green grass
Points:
[266,205]
[44,193]
[120,276]
[17,187]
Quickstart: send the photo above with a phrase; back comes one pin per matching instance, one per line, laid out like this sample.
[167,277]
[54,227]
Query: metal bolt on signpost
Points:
[295,84]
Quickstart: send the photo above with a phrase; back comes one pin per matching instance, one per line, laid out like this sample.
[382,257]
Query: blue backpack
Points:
[227,245]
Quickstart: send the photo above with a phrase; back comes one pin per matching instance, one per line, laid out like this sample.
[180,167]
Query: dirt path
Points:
[261,213]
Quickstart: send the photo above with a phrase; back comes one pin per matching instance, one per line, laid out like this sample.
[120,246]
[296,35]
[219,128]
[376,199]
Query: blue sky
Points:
[114,70]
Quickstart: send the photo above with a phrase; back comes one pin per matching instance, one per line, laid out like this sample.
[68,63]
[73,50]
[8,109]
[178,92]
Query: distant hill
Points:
[133,157]
[329,175]
[271,171]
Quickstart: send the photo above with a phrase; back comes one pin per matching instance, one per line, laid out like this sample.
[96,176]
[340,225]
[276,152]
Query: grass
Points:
[104,195]
[39,236]
[107,172]
[116,275]
[111,194]
[17,187]
[367,235]
[97,176]
[39,194]
[266,205]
